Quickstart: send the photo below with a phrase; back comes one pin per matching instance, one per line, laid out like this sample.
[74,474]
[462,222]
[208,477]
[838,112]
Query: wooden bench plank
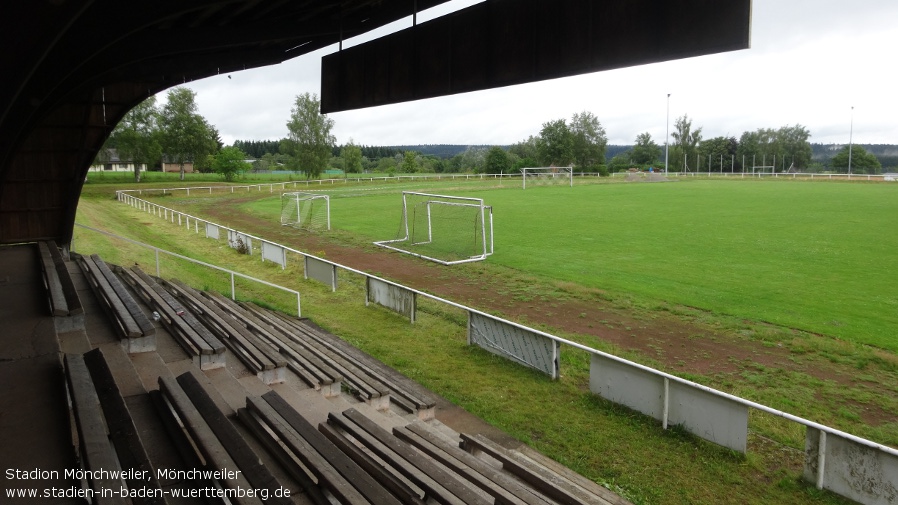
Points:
[128,327]
[328,476]
[122,431]
[308,364]
[96,449]
[190,342]
[260,357]
[367,387]
[143,322]
[489,478]
[256,473]
[436,480]
[410,396]
[58,304]
[407,388]
[275,446]
[213,453]
[340,461]
[546,482]
[394,484]
[68,285]
[185,315]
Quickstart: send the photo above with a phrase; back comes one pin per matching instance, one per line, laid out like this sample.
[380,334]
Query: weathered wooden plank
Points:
[549,483]
[489,478]
[256,473]
[143,322]
[328,476]
[122,431]
[96,448]
[394,484]
[360,479]
[211,450]
[58,305]
[120,314]
[424,472]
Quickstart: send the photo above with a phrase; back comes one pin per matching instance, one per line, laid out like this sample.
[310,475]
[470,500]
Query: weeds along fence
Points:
[859,469]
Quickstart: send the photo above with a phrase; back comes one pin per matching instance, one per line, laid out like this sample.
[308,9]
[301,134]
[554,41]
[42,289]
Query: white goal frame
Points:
[486,226]
[555,173]
[297,199]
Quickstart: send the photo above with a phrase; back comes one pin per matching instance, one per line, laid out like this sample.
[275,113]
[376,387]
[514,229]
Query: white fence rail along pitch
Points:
[856,468]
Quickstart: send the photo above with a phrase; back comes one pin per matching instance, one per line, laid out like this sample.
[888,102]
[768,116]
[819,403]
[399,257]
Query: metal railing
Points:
[885,474]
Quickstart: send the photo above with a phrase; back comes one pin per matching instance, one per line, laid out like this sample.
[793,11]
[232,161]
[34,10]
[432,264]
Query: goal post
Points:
[306,211]
[542,176]
[442,228]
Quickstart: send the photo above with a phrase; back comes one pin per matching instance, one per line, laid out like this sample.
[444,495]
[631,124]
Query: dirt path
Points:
[675,343]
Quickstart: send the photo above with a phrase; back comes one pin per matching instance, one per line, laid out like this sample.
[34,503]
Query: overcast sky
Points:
[809,63]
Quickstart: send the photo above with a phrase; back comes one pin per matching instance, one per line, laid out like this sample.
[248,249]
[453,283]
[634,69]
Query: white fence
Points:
[859,469]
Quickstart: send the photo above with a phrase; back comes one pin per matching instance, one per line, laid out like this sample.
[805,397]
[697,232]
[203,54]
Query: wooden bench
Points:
[356,380]
[204,347]
[257,354]
[137,332]
[314,371]
[324,466]
[437,482]
[245,479]
[404,392]
[363,371]
[566,489]
[501,485]
[107,437]
[63,297]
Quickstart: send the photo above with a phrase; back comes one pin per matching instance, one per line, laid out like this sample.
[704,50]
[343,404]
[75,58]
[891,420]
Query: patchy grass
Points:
[605,442]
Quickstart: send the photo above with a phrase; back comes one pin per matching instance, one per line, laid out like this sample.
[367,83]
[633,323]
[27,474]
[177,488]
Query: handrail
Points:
[659,373]
[232,273]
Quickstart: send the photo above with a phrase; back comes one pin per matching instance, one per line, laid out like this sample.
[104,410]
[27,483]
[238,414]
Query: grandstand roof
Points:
[79,65]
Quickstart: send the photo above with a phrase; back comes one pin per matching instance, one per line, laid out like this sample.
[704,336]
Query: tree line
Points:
[177,133]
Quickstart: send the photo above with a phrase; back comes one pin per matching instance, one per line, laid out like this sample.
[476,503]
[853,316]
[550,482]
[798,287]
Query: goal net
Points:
[306,211]
[444,229]
[545,176]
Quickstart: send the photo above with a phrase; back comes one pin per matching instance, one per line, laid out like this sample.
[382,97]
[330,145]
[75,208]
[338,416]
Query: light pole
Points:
[850,134]
[667,133]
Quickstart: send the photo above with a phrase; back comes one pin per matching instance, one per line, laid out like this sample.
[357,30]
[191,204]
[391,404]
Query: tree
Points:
[794,145]
[686,141]
[352,158]
[645,151]
[136,137]
[716,151]
[556,143]
[588,141]
[409,164]
[230,162]
[497,161]
[185,134]
[309,141]
[862,162]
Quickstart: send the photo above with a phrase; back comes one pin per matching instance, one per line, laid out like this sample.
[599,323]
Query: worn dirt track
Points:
[677,344]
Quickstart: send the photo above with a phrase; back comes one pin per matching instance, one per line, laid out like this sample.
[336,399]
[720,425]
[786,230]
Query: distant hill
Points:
[444,151]
[886,153]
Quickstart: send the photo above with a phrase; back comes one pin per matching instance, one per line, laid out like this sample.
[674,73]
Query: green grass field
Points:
[607,443]
[810,256]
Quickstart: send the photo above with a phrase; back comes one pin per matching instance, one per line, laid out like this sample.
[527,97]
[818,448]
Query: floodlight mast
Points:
[667,134]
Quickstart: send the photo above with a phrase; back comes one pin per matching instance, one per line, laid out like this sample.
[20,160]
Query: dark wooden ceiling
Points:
[71,69]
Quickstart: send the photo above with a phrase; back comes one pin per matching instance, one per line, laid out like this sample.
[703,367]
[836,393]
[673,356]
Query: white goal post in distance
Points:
[306,211]
[445,229]
[547,175]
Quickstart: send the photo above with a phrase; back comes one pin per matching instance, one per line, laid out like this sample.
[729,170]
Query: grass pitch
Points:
[810,256]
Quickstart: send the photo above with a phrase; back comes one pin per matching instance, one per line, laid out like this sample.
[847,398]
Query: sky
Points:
[823,64]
